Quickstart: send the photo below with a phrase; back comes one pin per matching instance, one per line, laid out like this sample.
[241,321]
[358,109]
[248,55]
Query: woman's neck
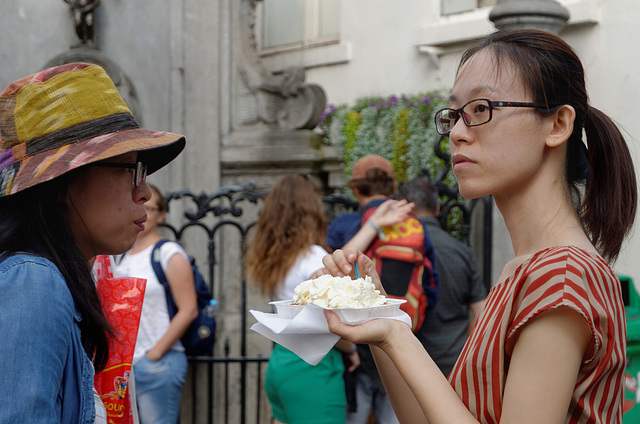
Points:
[542,217]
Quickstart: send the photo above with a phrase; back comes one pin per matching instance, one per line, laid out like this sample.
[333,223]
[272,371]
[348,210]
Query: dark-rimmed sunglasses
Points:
[139,170]
[477,112]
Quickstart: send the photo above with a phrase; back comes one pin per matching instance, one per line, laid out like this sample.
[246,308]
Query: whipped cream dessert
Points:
[338,292]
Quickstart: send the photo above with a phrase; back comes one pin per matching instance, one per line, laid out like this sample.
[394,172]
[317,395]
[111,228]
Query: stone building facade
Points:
[200,68]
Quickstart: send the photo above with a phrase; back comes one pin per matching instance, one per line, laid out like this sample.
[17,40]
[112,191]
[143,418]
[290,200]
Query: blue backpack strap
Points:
[162,278]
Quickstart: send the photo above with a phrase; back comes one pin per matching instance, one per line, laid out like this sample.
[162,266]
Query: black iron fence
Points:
[227,387]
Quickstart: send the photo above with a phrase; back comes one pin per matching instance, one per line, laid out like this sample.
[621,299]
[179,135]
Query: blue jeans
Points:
[159,387]
[369,394]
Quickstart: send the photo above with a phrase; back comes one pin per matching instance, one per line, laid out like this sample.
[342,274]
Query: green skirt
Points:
[302,393]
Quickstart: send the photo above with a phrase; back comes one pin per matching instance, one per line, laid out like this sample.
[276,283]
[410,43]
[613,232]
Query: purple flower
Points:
[328,111]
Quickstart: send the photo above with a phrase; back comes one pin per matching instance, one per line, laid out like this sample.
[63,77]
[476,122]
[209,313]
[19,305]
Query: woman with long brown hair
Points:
[286,249]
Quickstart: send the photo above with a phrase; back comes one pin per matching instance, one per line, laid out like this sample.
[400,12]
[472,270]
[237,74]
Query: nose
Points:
[142,193]
[460,132]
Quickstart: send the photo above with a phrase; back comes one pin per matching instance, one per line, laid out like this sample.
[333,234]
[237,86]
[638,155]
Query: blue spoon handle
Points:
[357,273]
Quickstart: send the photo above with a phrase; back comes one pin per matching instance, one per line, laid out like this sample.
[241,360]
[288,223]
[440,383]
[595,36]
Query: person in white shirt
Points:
[159,360]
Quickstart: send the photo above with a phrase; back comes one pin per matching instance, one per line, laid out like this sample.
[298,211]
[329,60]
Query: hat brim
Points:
[156,150]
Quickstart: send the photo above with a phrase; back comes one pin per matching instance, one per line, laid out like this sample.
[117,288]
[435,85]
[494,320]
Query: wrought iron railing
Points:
[227,387]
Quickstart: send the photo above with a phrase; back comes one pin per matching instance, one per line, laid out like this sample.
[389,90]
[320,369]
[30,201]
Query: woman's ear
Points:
[562,125]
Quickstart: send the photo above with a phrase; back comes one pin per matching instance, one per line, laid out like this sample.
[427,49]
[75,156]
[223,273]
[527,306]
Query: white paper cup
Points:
[286,309]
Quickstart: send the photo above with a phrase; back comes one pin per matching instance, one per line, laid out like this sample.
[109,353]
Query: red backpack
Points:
[400,261]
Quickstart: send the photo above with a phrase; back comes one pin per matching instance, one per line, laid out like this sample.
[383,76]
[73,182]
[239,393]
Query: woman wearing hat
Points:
[73,163]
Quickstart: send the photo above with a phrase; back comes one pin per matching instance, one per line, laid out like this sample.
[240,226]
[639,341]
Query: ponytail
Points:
[610,200]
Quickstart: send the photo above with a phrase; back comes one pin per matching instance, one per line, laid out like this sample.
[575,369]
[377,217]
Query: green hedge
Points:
[402,129]
[399,128]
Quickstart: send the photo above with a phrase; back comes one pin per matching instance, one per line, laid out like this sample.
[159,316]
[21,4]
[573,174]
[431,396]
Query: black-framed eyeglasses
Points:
[477,112]
[139,170]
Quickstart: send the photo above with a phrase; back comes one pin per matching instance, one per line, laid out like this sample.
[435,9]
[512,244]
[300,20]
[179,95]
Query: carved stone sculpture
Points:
[83,18]
[284,99]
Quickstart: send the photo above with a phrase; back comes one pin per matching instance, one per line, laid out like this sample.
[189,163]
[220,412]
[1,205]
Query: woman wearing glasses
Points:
[549,346]
[72,177]
[159,360]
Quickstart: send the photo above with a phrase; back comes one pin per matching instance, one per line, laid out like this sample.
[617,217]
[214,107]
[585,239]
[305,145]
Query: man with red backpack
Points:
[405,260]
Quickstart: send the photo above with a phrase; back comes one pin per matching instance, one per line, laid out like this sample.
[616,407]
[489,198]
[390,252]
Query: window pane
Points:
[485,3]
[329,21]
[283,22]
[456,6]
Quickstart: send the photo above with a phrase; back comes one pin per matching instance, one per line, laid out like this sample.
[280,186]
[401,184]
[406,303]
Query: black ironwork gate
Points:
[228,386]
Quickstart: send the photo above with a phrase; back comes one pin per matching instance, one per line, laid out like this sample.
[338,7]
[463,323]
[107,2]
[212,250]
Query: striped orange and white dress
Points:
[554,277]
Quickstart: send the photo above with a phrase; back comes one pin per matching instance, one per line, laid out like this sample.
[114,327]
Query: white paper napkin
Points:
[307,335]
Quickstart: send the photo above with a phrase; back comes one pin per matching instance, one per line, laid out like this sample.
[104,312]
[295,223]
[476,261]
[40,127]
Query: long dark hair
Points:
[36,221]
[553,74]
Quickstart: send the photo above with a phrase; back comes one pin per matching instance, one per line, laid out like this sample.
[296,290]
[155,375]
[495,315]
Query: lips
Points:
[460,159]
[140,222]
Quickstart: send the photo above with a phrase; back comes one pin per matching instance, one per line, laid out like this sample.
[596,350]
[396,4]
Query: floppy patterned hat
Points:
[68,116]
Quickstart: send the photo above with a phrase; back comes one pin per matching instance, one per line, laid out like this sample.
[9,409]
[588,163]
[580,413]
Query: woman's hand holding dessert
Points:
[375,332]
[339,264]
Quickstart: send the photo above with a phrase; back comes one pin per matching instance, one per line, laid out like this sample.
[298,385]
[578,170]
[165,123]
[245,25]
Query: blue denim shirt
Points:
[47,377]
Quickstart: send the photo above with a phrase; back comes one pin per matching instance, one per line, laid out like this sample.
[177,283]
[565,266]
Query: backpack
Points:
[199,338]
[400,261]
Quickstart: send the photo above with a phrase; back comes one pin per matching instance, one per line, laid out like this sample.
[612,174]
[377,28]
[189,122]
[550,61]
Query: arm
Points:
[543,370]
[350,350]
[544,367]
[180,278]
[389,213]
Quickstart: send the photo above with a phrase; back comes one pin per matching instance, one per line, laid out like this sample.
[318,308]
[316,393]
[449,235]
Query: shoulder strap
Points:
[157,266]
[363,209]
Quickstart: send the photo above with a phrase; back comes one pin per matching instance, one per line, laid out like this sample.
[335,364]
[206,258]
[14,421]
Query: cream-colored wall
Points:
[610,54]
[379,54]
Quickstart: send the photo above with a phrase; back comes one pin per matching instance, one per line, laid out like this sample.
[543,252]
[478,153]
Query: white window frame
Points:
[311,35]
[449,33]
[450,7]
[313,51]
